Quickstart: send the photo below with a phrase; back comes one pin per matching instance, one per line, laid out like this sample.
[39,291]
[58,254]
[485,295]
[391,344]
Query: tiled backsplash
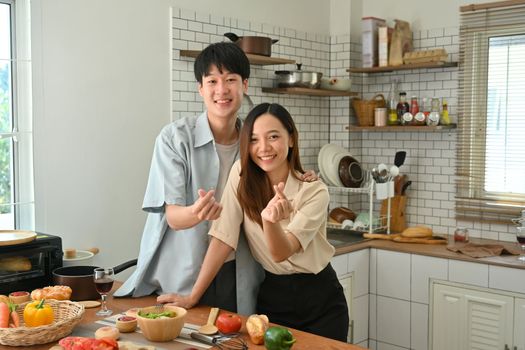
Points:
[430,162]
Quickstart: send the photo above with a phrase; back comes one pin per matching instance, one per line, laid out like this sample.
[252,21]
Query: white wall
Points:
[303,15]
[421,14]
[101,95]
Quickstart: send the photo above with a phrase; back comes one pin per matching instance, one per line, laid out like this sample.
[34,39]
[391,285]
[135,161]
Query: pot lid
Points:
[299,70]
[80,255]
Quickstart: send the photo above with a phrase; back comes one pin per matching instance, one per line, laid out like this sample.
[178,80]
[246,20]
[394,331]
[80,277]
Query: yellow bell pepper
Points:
[38,314]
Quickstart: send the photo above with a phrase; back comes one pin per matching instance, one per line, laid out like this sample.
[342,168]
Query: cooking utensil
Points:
[399,158]
[222,342]
[209,328]
[298,78]
[405,186]
[257,45]
[80,279]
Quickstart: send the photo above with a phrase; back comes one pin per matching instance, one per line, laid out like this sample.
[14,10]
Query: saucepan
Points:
[298,78]
[80,279]
[257,45]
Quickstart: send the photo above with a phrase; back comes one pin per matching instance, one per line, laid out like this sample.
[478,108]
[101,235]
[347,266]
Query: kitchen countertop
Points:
[198,316]
[439,251]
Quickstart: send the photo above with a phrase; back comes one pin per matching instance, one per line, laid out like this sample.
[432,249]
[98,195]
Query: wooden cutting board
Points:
[430,240]
[381,236]
[11,237]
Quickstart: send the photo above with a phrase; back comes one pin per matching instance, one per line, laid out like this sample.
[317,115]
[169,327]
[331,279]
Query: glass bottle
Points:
[433,117]
[419,116]
[445,119]
[392,104]
[402,106]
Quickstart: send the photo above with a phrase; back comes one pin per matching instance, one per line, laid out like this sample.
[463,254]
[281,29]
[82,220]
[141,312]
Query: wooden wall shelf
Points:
[405,128]
[403,67]
[308,92]
[254,59]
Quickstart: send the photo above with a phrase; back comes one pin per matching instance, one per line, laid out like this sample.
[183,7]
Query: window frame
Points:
[478,24]
[21,135]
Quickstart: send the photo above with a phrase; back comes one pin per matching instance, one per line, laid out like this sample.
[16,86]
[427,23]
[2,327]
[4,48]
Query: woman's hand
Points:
[309,176]
[185,301]
[279,207]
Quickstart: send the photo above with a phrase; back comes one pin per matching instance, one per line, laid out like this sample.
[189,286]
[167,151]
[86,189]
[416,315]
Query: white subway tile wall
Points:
[431,156]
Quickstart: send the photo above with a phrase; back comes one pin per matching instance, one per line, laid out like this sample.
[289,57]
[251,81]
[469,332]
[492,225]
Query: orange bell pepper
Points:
[38,313]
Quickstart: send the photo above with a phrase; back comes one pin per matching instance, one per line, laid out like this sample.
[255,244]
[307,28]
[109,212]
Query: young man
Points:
[191,162]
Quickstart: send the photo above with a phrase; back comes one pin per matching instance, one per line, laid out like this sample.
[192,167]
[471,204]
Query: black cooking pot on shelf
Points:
[80,279]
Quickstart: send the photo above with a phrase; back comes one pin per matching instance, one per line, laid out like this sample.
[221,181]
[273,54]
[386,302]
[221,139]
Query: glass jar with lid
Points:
[461,234]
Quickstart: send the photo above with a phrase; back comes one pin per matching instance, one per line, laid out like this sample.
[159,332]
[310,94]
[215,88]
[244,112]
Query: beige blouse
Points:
[307,223]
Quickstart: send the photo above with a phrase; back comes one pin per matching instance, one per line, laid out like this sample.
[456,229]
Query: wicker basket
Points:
[365,109]
[67,315]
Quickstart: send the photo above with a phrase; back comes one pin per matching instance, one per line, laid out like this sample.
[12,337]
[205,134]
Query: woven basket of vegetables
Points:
[65,316]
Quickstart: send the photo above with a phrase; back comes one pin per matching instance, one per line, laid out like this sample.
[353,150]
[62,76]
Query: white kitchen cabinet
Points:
[465,318]
[519,324]
[346,282]
[353,273]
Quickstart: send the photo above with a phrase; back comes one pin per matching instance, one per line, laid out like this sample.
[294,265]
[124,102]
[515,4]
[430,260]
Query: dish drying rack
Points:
[368,189]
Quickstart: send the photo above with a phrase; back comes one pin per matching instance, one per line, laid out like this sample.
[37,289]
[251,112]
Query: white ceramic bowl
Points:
[340,84]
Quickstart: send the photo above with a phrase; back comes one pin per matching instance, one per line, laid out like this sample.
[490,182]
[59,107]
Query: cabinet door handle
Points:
[507,347]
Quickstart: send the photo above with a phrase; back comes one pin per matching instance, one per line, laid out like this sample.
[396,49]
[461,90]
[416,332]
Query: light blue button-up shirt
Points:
[184,160]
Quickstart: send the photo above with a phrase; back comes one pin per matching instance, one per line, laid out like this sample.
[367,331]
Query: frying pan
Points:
[80,279]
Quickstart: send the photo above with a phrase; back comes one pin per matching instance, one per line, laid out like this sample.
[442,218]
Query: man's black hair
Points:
[225,56]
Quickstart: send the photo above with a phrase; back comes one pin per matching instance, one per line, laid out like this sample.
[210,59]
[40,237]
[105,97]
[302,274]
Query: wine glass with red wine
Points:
[520,236]
[103,283]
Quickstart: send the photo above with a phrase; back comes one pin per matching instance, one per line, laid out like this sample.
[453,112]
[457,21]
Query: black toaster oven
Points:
[26,266]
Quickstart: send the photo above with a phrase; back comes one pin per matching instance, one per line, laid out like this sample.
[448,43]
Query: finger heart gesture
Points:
[279,207]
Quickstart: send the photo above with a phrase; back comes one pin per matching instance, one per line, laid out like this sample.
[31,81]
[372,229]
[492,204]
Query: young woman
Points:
[284,219]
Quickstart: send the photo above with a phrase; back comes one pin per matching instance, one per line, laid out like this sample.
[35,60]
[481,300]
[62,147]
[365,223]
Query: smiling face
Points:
[269,146]
[222,93]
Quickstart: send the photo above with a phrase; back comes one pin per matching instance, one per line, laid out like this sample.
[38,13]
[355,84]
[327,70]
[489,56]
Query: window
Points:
[16,175]
[491,139]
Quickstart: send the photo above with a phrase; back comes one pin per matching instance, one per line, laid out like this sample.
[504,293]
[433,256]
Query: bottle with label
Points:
[433,117]
[445,119]
[402,107]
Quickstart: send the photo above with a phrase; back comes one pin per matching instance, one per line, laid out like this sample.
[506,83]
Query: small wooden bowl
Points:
[19,297]
[162,329]
[350,172]
[126,324]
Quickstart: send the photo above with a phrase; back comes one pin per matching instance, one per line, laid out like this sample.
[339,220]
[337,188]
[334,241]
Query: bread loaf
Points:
[417,232]
[52,292]
[15,263]
[341,214]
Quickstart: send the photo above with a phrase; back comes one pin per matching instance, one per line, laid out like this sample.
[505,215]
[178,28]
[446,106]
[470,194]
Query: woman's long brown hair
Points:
[255,189]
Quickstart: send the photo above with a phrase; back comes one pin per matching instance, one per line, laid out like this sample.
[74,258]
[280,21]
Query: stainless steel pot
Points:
[298,78]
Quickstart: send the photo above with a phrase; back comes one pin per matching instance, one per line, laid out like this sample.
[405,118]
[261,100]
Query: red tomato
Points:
[228,323]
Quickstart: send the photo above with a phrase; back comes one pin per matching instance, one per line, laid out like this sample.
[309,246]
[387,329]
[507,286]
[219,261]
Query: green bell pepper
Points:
[278,338]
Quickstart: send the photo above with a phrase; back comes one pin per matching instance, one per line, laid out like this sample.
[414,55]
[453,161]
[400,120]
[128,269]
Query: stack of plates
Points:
[328,161]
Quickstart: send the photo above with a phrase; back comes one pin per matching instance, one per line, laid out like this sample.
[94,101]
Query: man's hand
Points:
[184,301]
[278,208]
[206,207]
[309,176]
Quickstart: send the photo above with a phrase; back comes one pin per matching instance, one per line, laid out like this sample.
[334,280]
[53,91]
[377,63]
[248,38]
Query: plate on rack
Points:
[12,237]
